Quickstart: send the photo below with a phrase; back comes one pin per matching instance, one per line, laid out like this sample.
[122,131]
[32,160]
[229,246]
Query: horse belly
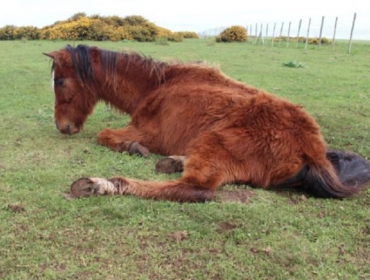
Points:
[182,117]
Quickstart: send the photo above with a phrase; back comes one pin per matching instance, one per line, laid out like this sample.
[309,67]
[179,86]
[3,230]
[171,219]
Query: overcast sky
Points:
[199,16]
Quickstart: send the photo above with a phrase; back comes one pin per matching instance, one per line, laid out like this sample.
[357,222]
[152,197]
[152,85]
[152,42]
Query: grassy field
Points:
[244,233]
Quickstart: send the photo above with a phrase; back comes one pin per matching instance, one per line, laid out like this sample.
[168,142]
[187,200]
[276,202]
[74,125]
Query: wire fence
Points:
[324,30]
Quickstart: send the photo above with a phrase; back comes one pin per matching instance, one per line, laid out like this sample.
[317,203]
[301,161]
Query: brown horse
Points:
[214,129]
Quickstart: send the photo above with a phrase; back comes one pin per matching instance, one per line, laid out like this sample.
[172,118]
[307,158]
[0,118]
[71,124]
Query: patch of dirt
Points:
[68,196]
[268,250]
[366,228]
[180,235]
[227,226]
[239,195]
[297,199]
[16,207]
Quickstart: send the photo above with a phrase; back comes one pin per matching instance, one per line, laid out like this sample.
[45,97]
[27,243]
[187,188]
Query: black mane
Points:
[81,62]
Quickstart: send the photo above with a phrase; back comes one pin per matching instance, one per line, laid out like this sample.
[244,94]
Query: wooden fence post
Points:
[308,34]
[322,25]
[273,35]
[260,36]
[263,41]
[281,32]
[350,39]
[255,34]
[299,29]
[335,31]
[287,41]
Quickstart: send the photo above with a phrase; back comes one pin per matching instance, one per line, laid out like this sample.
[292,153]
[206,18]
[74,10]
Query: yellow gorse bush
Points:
[311,41]
[11,32]
[234,33]
[96,28]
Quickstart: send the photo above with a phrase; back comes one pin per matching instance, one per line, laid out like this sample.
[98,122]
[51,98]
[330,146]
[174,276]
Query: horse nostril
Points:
[69,129]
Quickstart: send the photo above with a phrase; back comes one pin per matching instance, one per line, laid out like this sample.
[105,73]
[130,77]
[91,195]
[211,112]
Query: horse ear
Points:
[51,55]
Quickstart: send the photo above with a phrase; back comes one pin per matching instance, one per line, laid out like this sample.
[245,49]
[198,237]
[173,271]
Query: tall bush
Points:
[8,32]
[168,35]
[234,33]
[97,28]
[188,34]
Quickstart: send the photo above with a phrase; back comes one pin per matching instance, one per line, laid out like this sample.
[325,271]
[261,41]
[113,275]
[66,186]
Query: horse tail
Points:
[340,175]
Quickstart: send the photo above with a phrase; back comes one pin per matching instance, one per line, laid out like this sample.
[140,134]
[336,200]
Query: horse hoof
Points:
[84,187]
[136,148]
[169,165]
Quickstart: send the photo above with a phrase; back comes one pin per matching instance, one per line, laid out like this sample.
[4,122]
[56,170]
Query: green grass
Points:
[272,235]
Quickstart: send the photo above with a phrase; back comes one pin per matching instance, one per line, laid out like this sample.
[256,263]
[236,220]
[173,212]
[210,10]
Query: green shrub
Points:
[233,34]
[293,64]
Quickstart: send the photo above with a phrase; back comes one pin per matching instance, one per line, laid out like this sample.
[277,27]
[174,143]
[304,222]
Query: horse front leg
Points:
[127,139]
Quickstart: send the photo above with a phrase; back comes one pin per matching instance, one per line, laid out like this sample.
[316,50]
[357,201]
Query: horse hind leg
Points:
[201,177]
[171,164]
[198,184]
[178,190]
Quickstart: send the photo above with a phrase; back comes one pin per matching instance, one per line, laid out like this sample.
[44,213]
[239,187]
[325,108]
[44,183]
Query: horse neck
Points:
[132,79]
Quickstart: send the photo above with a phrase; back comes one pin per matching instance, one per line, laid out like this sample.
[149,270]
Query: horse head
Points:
[72,77]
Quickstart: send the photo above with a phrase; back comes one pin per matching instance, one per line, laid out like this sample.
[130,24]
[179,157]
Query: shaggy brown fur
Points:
[228,131]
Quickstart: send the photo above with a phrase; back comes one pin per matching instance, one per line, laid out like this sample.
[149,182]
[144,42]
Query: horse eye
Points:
[58,82]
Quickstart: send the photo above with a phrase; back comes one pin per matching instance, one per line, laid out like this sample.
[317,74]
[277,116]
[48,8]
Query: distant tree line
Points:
[96,28]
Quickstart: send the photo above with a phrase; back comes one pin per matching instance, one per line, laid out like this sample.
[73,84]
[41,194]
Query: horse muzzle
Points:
[67,128]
